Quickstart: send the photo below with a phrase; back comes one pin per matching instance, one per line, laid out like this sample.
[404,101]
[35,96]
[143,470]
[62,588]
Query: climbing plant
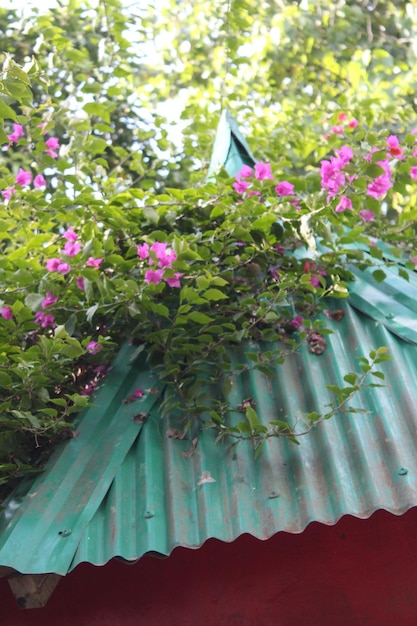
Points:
[111,230]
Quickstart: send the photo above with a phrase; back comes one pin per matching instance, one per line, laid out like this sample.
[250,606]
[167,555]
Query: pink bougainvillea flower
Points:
[16,134]
[71,249]
[135,395]
[154,276]
[341,117]
[53,264]
[315,281]
[413,172]
[70,235]
[240,186]
[80,283]
[397,152]
[49,300]
[63,268]
[245,172]
[274,272]
[393,141]
[174,281]
[165,257]
[344,203]
[93,347]
[379,186]
[168,259]
[52,144]
[414,260]
[297,321]
[284,188]
[159,247]
[345,154]
[367,215]
[143,251]
[39,181]
[92,262]
[89,388]
[332,178]
[353,123]
[263,171]
[6,313]
[57,265]
[45,320]
[386,167]
[394,146]
[252,192]
[7,193]
[338,130]
[23,178]
[48,320]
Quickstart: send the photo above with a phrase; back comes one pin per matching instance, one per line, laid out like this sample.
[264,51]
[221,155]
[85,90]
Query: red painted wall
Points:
[356,573]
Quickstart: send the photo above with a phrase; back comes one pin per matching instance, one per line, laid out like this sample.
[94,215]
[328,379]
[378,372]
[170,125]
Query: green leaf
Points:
[199,318]
[214,295]
[91,311]
[380,375]
[7,112]
[351,378]
[96,145]
[252,417]
[33,300]
[373,170]
[379,275]
[5,380]
[404,274]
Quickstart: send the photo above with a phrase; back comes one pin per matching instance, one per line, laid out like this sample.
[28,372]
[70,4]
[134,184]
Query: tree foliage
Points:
[109,228]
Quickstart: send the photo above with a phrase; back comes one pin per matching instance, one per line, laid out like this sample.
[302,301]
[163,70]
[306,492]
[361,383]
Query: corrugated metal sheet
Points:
[121,489]
[230,148]
[350,465]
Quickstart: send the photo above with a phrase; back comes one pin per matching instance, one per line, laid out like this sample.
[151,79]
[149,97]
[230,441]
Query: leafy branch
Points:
[252,429]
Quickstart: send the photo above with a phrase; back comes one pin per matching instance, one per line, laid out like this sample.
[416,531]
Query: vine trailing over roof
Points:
[88,259]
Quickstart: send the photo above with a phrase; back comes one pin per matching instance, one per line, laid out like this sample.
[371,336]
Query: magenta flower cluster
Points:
[71,249]
[260,171]
[342,119]
[52,144]
[334,177]
[93,347]
[316,272]
[332,174]
[24,177]
[164,258]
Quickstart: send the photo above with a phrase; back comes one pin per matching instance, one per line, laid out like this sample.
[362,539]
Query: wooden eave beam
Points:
[32,591]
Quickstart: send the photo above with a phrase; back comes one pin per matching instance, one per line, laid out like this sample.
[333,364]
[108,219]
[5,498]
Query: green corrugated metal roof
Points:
[230,148]
[122,489]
